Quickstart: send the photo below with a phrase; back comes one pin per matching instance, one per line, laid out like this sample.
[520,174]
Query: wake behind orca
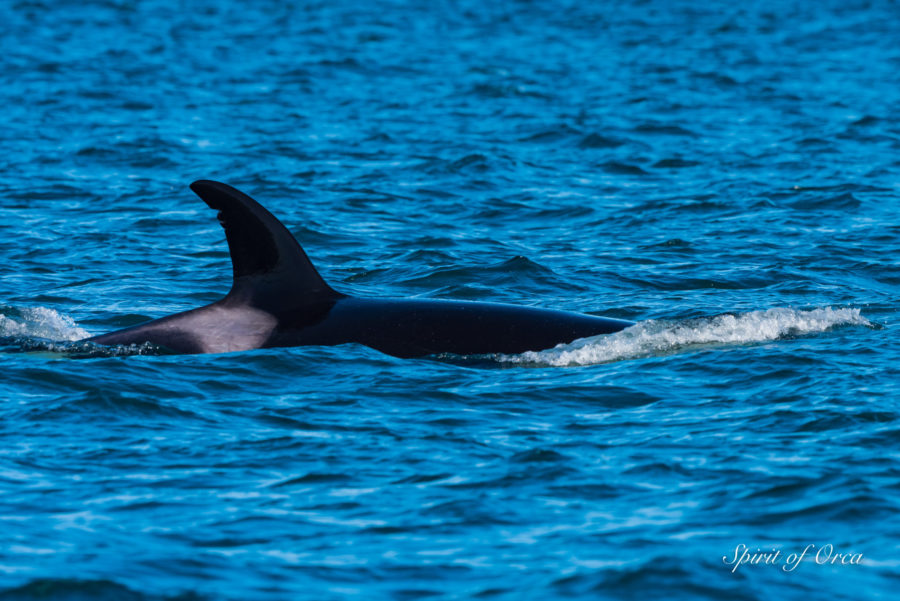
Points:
[278,299]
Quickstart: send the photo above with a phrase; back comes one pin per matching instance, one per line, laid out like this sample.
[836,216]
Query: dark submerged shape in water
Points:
[279,299]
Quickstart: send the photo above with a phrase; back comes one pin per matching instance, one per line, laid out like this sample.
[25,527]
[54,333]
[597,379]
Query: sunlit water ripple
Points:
[724,176]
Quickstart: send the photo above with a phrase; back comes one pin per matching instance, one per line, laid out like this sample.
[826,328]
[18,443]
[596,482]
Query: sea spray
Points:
[661,337]
[38,322]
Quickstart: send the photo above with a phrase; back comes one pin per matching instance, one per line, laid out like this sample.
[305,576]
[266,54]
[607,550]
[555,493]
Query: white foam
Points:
[40,322]
[652,338]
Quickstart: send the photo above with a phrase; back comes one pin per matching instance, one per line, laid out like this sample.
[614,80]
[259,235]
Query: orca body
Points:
[278,299]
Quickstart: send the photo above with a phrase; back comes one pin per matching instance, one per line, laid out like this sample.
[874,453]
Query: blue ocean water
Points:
[724,175]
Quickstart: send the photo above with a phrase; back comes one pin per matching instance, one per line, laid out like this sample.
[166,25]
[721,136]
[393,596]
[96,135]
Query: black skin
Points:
[279,300]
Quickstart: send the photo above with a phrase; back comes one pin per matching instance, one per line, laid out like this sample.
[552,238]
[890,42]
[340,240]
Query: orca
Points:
[278,299]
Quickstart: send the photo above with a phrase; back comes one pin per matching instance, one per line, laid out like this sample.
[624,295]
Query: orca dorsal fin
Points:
[270,268]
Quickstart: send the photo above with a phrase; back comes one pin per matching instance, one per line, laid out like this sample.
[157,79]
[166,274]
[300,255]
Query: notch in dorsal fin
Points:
[270,267]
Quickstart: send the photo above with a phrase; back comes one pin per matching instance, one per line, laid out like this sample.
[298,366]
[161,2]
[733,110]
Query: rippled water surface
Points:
[725,176]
